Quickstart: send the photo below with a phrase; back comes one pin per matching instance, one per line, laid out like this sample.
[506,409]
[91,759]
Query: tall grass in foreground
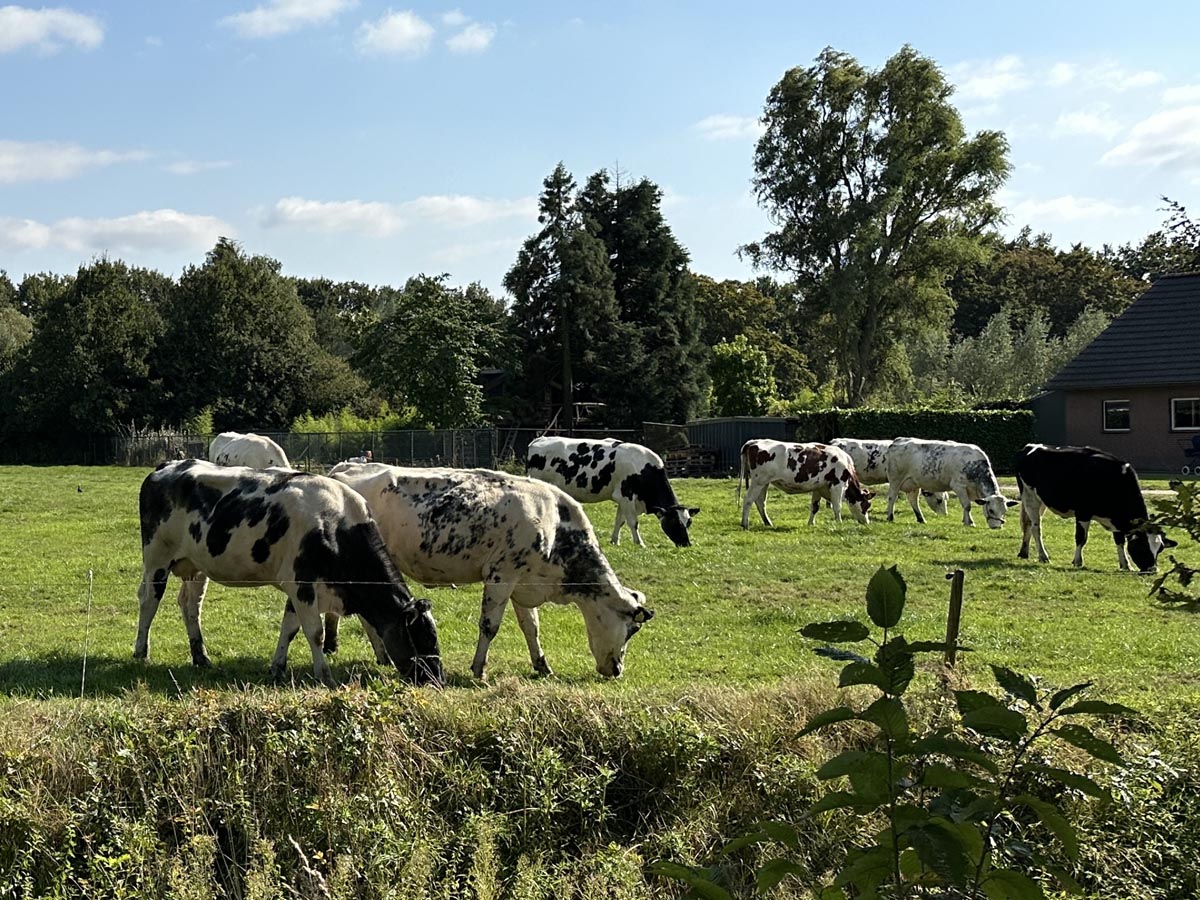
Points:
[520,790]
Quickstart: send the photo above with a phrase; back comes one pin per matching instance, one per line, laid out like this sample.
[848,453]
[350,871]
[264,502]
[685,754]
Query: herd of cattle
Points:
[341,544]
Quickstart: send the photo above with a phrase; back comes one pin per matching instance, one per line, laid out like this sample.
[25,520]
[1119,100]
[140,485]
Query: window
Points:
[1116,415]
[1185,414]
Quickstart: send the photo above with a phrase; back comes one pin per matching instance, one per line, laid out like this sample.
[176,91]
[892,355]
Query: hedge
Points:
[1001,433]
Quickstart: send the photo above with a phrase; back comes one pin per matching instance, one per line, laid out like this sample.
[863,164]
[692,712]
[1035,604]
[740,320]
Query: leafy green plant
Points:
[959,808]
[1180,512]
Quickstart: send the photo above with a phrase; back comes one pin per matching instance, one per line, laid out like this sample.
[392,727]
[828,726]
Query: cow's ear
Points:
[1168,543]
[642,615]
[423,605]
[1011,503]
[657,510]
[693,511]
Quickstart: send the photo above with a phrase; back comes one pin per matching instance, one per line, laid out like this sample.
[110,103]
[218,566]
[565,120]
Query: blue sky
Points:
[363,141]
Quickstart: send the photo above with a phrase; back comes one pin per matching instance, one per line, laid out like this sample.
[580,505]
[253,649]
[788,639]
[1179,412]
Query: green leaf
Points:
[1054,820]
[829,892]
[940,850]
[895,661]
[1100,708]
[836,632]
[870,780]
[743,841]
[840,800]
[1005,884]
[943,776]
[847,761]
[1066,694]
[885,597]
[888,713]
[1070,779]
[1083,738]
[693,878]
[956,749]
[828,717]
[782,833]
[998,722]
[972,700]
[773,872]
[1016,685]
[866,868]
[862,673]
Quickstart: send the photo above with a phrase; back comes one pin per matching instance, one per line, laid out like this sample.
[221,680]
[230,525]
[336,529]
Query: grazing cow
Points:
[1088,484]
[630,475]
[870,465]
[229,448]
[916,464]
[525,540]
[309,536]
[818,469]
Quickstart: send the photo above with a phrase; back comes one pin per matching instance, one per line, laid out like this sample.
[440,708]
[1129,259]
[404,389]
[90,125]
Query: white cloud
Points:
[52,161]
[457,253]
[454,18]
[475,38]
[379,219]
[153,40]
[1095,121]
[195,167]
[282,16]
[1166,140]
[396,33]
[47,29]
[1107,75]
[1067,208]
[1183,93]
[723,127]
[149,230]
[1062,73]
[990,79]
[463,209]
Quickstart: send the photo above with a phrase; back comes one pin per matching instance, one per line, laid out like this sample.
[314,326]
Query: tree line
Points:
[886,282]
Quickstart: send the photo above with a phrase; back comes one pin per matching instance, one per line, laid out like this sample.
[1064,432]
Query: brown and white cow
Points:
[309,536]
[525,540]
[818,469]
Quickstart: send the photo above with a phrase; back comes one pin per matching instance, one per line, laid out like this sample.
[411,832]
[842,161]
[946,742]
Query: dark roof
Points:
[1155,341]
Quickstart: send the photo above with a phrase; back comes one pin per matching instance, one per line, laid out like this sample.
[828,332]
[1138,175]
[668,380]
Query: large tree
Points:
[876,194]
[1173,248]
[564,309]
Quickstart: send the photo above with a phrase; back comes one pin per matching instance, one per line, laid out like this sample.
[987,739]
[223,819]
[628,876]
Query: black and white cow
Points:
[1088,484]
[870,465]
[230,448]
[630,475]
[818,469]
[916,464]
[309,536]
[526,541]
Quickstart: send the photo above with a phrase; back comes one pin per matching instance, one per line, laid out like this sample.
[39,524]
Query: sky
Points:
[360,141]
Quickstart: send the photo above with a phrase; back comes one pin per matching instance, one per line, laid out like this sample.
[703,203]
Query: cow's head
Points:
[994,509]
[935,500]
[1146,541]
[412,643]
[675,521]
[858,499]
[611,625]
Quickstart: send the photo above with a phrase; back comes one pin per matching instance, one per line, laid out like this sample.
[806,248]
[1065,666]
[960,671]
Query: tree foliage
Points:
[876,195]
[742,382]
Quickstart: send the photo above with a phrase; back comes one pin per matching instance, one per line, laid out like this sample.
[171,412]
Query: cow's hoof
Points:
[541,667]
[202,662]
[1022,554]
[276,673]
[477,672]
[140,654]
[330,646]
[1043,558]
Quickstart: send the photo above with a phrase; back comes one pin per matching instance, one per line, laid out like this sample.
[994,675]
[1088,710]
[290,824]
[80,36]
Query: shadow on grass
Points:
[59,675]
[983,562]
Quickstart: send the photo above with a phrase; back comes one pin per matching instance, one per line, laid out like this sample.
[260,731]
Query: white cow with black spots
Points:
[306,535]
[870,464]
[917,464]
[526,541]
[230,448]
[630,475]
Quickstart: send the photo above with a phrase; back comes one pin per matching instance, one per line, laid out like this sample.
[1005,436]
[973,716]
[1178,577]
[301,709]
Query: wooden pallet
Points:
[691,462]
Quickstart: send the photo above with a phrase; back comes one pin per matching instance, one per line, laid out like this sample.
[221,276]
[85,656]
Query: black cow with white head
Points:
[309,536]
[630,475]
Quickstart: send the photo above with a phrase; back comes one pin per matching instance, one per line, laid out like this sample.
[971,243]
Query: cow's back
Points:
[253,450]
[1083,481]
[934,465]
[589,470]
[869,457]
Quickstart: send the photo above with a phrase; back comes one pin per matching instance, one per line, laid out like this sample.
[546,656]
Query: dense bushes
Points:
[1001,433]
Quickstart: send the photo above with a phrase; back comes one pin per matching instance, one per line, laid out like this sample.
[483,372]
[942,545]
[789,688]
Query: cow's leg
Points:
[813,507]
[1035,515]
[761,502]
[893,493]
[631,516]
[308,612]
[527,618]
[1026,529]
[747,501]
[913,497]
[495,598]
[150,594]
[381,655]
[331,632]
[191,603]
[1122,559]
[287,631]
[1081,533]
[835,500]
[616,538]
[965,500]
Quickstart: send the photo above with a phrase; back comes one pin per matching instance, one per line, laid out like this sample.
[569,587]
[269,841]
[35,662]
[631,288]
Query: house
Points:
[1135,390]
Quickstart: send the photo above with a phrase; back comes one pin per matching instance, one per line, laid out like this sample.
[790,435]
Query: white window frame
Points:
[1104,417]
[1175,427]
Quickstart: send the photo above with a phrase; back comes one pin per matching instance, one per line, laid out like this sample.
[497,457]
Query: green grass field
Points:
[727,609]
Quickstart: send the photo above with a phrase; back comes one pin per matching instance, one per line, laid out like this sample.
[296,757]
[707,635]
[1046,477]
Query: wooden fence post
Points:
[954,616]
